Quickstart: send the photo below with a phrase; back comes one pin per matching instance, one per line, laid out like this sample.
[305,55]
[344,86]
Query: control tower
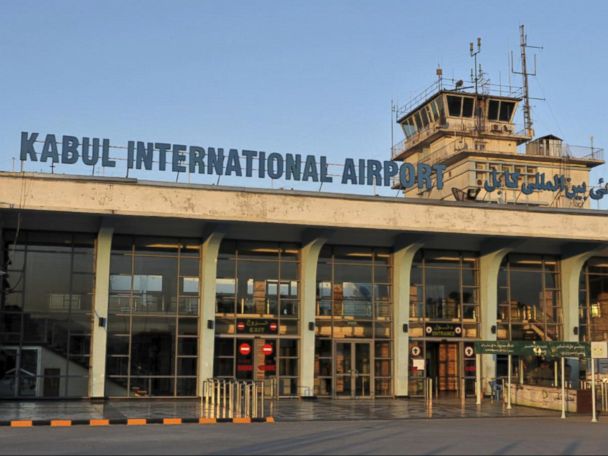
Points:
[470,128]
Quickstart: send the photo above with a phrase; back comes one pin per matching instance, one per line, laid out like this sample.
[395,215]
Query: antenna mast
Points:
[523,43]
[476,73]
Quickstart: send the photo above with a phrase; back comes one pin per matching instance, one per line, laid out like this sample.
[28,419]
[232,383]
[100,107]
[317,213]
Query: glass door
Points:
[362,374]
[344,371]
[353,370]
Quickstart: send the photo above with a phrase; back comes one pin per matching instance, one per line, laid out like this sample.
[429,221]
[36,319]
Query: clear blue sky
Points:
[309,77]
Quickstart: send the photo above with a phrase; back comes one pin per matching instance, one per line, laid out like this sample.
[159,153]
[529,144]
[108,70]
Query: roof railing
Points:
[567,151]
[447,84]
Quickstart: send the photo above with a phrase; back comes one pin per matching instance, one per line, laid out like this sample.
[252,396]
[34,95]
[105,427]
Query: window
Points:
[593,302]
[529,298]
[454,105]
[425,118]
[45,315]
[506,110]
[493,107]
[467,107]
[444,288]
[153,317]
[409,127]
[500,110]
[257,309]
[354,302]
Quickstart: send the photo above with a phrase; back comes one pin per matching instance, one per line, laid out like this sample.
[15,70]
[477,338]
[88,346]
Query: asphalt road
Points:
[436,436]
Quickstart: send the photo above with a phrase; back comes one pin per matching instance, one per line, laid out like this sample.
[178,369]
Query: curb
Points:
[131,422]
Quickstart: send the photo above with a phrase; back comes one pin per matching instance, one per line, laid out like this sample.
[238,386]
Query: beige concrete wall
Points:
[48,193]
[462,175]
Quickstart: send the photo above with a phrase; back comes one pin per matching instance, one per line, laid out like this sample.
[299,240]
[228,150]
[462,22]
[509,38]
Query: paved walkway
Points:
[576,435]
[283,410]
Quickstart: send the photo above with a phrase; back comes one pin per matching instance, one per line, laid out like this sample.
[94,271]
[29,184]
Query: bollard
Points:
[462,392]
[231,400]
[263,398]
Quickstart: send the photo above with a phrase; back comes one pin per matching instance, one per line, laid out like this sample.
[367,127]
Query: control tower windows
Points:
[454,106]
[425,118]
[467,107]
[418,120]
[409,127]
[460,106]
[500,110]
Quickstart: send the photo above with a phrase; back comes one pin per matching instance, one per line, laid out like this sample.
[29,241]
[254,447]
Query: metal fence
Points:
[227,398]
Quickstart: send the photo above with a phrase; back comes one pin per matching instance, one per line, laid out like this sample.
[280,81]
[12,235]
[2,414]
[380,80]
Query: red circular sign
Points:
[273,327]
[267,349]
[240,326]
[244,349]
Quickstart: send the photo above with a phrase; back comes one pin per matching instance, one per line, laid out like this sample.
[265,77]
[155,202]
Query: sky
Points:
[302,77]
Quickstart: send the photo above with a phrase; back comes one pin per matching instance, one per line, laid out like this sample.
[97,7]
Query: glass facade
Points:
[257,312]
[45,315]
[444,310]
[444,288]
[153,323]
[593,301]
[529,308]
[353,304]
[529,299]
[153,312]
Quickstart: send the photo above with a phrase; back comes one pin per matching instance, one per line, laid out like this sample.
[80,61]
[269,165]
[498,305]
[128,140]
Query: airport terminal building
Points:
[125,288]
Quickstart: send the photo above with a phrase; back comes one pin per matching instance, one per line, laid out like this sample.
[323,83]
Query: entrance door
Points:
[353,370]
[442,358]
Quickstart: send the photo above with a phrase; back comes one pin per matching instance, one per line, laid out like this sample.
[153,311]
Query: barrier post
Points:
[594,416]
[462,391]
[509,384]
[231,400]
[478,379]
[563,388]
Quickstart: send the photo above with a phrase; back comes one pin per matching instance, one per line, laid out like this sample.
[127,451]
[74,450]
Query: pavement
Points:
[283,410]
[521,435]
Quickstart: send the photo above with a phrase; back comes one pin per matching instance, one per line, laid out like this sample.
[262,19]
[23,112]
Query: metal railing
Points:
[227,398]
[449,84]
[467,126]
[567,151]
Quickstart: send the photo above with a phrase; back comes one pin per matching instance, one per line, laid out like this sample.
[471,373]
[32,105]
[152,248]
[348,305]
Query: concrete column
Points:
[308,301]
[570,269]
[206,331]
[99,334]
[403,257]
[489,266]
[573,260]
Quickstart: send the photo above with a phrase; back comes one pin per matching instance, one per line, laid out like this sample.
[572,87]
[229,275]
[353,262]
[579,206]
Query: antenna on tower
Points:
[439,73]
[476,74]
[523,43]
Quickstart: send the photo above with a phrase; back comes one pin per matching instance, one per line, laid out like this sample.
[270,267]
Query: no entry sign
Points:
[244,349]
[267,349]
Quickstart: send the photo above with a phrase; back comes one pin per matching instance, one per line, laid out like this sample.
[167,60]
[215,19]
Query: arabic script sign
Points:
[525,348]
[540,183]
